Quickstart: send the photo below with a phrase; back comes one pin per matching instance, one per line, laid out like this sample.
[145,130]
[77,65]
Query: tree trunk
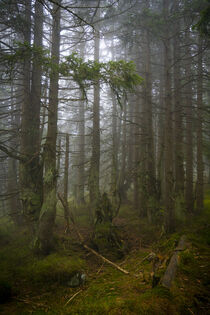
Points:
[66,182]
[150,159]
[45,242]
[114,169]
[81,158]
[200,167]
[30,169]
[95,158]
[178,111]
[169,205]
[123,170]
[189,197]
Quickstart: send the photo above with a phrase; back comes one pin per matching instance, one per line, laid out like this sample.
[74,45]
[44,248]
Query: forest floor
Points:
[39,286]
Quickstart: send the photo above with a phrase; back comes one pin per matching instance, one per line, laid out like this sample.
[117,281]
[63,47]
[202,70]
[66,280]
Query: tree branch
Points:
[12,154]
[66,8]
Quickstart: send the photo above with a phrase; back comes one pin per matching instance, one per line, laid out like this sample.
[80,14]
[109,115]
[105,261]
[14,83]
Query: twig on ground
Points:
[99,270]
[72,297]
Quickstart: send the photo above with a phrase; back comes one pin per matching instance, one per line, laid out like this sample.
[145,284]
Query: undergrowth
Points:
[40,285]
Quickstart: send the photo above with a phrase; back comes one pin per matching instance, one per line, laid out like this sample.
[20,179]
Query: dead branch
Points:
[72,297]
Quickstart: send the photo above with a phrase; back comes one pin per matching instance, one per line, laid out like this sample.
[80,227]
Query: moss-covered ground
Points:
[40,285]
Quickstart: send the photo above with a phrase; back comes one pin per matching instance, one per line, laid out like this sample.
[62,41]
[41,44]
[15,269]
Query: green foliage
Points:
[23,51]
[120,75]
[203,25]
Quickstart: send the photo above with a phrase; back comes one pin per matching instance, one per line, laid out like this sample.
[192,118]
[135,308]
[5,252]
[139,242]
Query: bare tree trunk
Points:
[161,126]
[122,175]
[95,158]
[66,183]
[136,154]
[178,111]
[44,109]
[44,242]
[114,169]
[200,167]
[81,158]
[169,205]
[31,169]
[150,159]
[189,196]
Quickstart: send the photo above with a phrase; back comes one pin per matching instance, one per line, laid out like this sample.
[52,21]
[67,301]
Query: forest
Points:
[104,157]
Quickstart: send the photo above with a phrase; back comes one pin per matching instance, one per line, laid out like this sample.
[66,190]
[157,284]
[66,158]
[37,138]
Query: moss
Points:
[54,268]
[167,245]
[187,257]
[106,239]
[49,177]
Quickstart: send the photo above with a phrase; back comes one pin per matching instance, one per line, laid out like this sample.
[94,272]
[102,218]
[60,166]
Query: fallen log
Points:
[81,238]
[170,273]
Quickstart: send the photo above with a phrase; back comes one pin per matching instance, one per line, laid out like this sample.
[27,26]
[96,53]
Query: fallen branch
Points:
[105,259]
[72,297]
[170,273]
[81,238]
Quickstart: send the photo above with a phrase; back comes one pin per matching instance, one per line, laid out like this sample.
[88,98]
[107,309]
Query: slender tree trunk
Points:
[136,154]
[161,126]
[25,148]
[59,157]
[44,110]
[66,169]
[200,167]
[150,159]
[169,205]
[95,158]
[178,111]
[81,158]
[45,241]
[189,196]
[130,141]
[66,183]
[114,170]
[123,170]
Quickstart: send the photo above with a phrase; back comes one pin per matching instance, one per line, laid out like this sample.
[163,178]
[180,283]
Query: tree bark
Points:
[31,169]
[81,157]
[178,110]
[189,196]
[95,158]
[44,242]
[168,141]
[66,182]
[200,166]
